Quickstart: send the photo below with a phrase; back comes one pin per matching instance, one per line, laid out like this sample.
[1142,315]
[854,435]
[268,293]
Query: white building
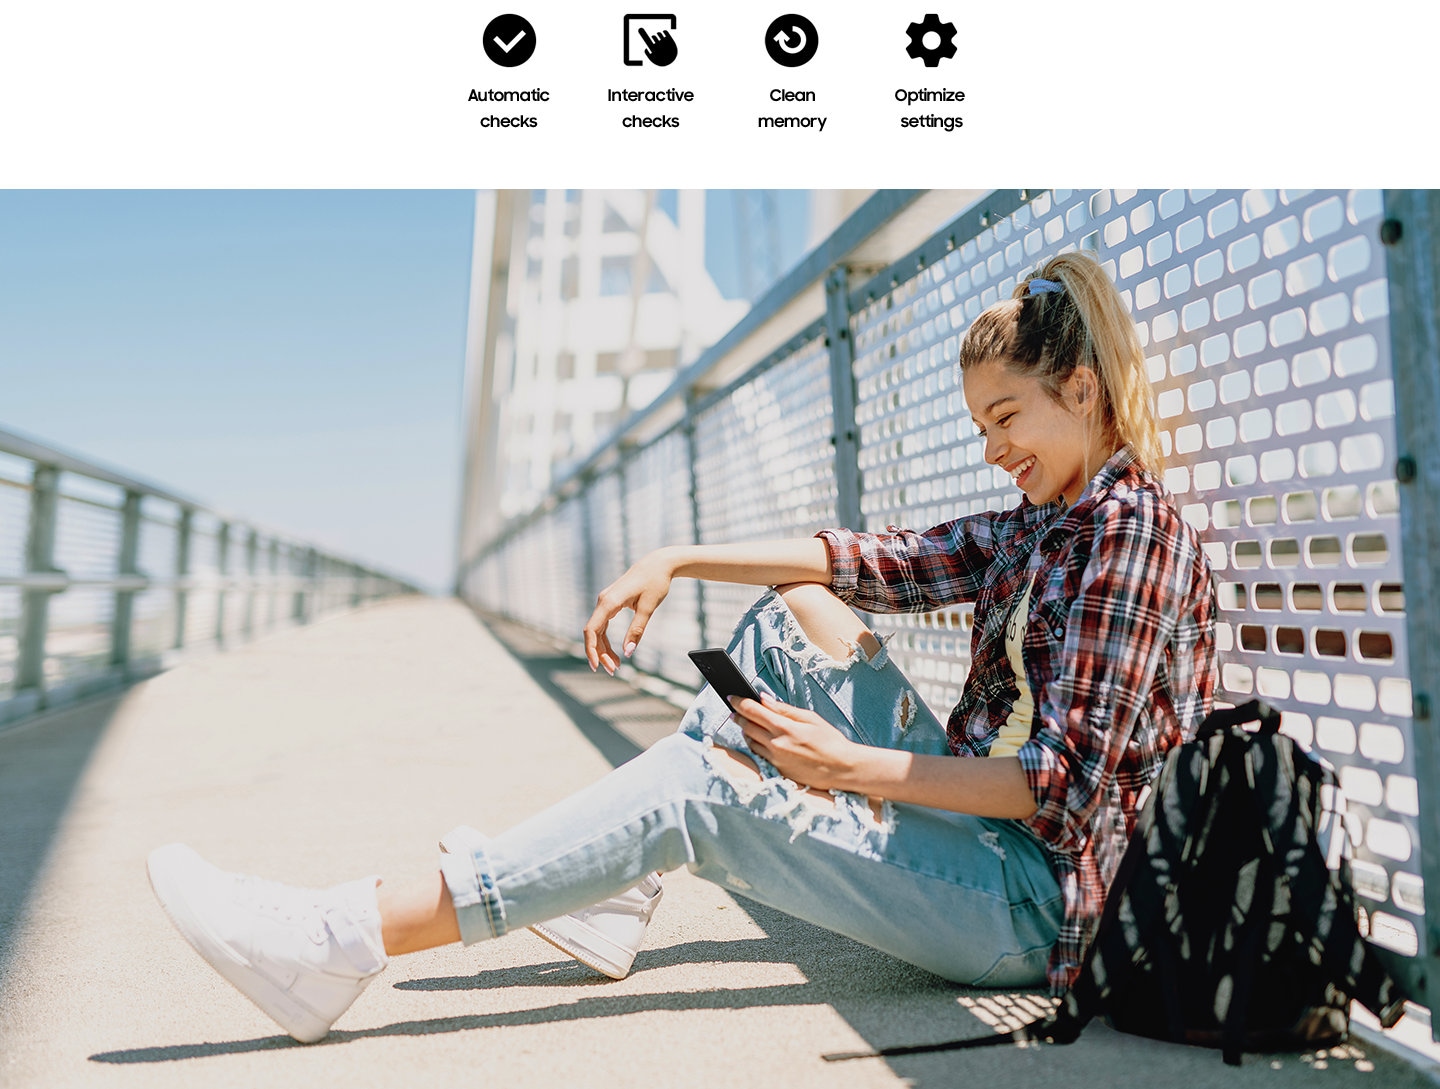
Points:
[583,305]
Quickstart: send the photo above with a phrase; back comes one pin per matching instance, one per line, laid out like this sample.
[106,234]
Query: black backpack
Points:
[1224,926]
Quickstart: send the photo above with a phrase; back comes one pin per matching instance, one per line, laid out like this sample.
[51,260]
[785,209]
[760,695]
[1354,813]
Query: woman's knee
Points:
[827,621]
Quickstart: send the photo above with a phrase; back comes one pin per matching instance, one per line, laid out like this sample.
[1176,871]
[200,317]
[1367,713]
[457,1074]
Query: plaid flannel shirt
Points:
[1119,653]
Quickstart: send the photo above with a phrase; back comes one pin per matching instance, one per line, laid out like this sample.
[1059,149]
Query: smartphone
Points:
[720,670]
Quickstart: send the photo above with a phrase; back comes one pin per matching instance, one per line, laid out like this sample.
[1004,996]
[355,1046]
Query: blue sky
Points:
[295,358]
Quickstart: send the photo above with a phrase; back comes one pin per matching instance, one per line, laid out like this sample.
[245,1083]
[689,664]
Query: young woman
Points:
[981,850]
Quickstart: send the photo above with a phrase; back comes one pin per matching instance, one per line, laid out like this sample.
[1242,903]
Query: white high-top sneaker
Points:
[301,955]
[605,936]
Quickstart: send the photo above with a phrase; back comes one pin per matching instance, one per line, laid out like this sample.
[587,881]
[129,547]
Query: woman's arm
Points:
[809,750]
[645,584]
[762,563]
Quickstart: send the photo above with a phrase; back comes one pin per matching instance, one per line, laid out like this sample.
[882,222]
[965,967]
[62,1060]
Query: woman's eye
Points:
[1004,421]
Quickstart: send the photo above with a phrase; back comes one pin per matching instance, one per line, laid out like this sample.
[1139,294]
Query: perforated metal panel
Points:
[543,571]
[1284,443]
[657,514]
[605,532]
[765,467]
[1263,320]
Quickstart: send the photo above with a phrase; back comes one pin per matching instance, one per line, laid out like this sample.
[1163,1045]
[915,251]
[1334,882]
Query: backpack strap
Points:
[1244,957]
[1226,717]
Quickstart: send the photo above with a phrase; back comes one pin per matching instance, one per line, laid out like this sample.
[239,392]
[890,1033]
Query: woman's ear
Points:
[1084,389]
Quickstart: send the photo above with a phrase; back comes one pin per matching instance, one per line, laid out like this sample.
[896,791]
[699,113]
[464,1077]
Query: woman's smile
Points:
[1049,447]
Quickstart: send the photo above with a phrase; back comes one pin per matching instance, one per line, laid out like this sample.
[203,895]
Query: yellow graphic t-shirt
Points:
[1016,730]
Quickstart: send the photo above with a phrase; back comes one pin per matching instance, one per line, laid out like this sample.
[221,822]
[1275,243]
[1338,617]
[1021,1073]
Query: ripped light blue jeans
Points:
[968,898]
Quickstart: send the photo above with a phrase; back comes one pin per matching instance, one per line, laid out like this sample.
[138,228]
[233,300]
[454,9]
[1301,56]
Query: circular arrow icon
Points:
[791,40]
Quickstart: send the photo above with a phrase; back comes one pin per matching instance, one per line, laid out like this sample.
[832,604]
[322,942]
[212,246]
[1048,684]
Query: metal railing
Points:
[105,579]
[1278,327]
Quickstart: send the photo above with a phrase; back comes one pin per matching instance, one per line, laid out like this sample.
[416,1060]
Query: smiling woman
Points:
[980,850]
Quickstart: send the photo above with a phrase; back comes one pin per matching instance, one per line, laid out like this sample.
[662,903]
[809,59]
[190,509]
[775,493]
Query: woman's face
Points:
[1049,449]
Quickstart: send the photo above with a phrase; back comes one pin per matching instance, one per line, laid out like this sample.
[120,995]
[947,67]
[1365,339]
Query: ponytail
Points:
[1067,315]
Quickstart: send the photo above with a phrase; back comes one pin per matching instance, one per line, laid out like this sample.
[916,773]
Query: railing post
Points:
[39,560]
[303,603]
[1410,233]
[842,397]
[222,557]
[125,599]
[589,568]
[271,605]
[316,568]
[297,599]
[622,472]
[182,573]
[690,460]
[252,550]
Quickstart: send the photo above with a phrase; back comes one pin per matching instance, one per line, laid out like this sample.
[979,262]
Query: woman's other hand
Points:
[641,589]
[801,744]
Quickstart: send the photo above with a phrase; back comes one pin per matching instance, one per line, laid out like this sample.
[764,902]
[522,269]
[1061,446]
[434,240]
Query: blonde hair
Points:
[1047,335]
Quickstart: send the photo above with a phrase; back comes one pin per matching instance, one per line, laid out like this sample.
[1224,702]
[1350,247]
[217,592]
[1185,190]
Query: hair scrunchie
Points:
[1044,287]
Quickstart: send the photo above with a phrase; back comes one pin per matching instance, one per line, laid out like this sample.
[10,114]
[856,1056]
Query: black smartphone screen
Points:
[720,670]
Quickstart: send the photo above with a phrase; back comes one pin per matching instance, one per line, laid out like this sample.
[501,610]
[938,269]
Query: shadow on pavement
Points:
[41,761]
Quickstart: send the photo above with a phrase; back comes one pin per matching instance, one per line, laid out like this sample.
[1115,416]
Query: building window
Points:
[662,359]
[565,366]
[607,362]
[563,444]
[657,284]
[570,278]
[614,275]
[614,222]
[607,422]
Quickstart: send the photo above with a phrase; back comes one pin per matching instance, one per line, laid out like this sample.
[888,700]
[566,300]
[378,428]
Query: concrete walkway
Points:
[348,747]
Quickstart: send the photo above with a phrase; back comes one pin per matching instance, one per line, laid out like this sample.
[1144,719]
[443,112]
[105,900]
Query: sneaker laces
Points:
[298,906]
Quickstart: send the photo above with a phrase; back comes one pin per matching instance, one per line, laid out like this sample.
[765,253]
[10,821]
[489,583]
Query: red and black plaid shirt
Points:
[1119,653]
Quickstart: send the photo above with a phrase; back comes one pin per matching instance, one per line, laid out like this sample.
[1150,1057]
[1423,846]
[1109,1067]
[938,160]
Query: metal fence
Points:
[104,579]
[1265,317]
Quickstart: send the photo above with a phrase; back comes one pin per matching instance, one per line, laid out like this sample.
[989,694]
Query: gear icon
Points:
[931,55]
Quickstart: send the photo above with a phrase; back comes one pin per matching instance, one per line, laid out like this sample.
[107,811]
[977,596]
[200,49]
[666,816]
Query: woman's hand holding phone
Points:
[801,744]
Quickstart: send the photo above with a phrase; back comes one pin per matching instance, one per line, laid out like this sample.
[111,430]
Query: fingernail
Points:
[629,648]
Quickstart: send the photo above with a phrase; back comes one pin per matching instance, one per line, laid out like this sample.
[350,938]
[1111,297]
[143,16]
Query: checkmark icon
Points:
[509,40]
[507,46]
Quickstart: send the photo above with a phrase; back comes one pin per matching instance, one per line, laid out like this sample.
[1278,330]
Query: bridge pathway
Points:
[348,747]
